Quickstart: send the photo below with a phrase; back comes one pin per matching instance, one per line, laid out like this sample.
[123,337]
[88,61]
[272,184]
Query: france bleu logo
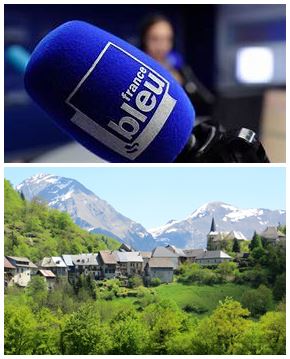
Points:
[132,109]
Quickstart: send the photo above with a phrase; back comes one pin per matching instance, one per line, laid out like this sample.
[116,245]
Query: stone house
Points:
[161,268]
[108,264]
[24,270]
[55,264]
[213,258]
[9,272]
[48,277]
[86,264]
[129,263]
[162,252]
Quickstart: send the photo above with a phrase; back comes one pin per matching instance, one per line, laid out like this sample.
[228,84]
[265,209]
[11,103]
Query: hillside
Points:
[34,230]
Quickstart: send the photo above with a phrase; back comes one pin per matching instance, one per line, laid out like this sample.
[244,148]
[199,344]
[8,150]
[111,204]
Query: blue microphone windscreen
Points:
[111,97]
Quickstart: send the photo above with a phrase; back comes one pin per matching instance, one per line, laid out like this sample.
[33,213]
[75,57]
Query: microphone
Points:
[108,95]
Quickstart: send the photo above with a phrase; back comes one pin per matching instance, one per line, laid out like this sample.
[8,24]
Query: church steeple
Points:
[213,227]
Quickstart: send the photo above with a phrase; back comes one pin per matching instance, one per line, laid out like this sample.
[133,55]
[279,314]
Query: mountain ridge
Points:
[96,215]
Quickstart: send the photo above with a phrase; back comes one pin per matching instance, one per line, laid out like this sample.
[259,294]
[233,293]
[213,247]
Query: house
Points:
[129,263]
[145,256]
[24,270]
[9,272]
[67,258]
[48,276]
[178,251]
[108,264]
[86,264]
[273,235]
[161,268]
[162,252]
[55,264]
[126,248]
[192,254]
[213,258]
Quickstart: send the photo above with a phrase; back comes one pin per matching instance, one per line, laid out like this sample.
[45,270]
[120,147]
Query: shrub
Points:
[155,282]
[135,282]
[258,301]
[194,308]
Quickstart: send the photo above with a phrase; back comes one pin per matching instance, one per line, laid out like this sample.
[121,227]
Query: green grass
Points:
[203,296]
[200,295]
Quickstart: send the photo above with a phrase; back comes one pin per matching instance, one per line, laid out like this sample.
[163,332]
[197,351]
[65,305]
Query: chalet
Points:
[24,270]
[86,264]
[48,277]
[55,264]
[161,268]
[273,235]
[129,263]
[213,258]
[161,252]
[108,264]
[9,272]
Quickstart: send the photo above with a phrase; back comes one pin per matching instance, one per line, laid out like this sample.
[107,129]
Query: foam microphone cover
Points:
[111,97]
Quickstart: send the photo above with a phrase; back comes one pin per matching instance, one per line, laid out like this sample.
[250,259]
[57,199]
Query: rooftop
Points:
[161,263]
[107,257]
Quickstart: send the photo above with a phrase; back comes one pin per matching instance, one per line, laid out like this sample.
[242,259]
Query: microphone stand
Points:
[209,143]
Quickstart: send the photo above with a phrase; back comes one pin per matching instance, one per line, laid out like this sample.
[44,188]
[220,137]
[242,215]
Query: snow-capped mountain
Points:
[86,209]
[94,214]
[191,232]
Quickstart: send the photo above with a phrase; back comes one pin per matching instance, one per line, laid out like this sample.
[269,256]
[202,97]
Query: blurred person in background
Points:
[157,40]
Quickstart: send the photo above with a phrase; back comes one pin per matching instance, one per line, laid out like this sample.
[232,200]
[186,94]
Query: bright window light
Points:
[255,65]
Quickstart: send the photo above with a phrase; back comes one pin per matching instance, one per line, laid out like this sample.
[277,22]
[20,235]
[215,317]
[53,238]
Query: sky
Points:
[154,195]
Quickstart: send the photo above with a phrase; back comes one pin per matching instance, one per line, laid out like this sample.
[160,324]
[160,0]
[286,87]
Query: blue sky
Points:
[153,196]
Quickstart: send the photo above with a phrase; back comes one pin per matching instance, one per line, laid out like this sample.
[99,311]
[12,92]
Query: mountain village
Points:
[126,262]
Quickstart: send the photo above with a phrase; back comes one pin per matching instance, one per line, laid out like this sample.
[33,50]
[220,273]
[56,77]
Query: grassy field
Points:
[201,296]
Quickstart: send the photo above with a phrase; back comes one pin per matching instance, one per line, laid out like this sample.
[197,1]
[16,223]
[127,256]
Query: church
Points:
[218,239]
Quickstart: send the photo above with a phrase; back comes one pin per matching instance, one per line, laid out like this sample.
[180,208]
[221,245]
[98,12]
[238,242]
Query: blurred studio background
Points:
[235,53]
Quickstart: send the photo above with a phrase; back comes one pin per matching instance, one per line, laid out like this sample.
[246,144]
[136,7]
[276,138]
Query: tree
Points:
[84,333]
[258,301]
[266,337]
[218,333]
[226,269]
[279,290]
[255,242]
[130,334]
[236,246]
[37,290]
[19,330]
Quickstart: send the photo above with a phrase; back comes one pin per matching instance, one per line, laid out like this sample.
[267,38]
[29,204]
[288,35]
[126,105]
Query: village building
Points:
[24,270]
[161,268]
[126,248]
[145,256]
[217,240]
[273,235]
[129,263]
[67,258]
[178,251]
[86,264]
[192,254]
[55,264]
[162,252]
[9,272]
[48,277]
[213,258]
[108,264]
